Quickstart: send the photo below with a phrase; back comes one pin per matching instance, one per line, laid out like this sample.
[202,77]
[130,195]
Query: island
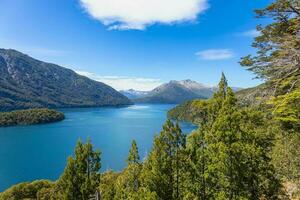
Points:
[30,116]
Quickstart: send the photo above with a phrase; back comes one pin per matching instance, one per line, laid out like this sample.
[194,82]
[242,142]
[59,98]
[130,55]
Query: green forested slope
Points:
[30,116]
[29,83]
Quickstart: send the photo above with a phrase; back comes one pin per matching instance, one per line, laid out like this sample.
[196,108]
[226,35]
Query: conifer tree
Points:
[128,183]
[162,171]
[222,87]
[81,176]
[133,157]
[215,103]
[239,166]
[196,166]
[197,153]
[278,57]
[107,185]
[277,62]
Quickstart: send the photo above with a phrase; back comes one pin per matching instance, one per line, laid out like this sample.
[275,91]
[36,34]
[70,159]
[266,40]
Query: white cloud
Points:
[250,33]
[138,14]
[215,54]
[124,83]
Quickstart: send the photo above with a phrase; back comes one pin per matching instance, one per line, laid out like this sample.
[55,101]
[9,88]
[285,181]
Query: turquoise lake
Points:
[40,152]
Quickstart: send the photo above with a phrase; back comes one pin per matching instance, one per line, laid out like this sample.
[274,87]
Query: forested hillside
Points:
[29,83]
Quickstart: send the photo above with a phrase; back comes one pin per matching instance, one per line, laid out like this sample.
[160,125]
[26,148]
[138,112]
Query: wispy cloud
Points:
[124,83]
[249,33]
[138,14]
[215,54]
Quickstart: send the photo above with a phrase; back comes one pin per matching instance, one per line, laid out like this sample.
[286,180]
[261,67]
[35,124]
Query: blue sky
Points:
[136,43]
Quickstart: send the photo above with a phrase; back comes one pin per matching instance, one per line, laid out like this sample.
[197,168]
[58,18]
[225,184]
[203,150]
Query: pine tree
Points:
[133,157]
[239,166]
[277,62]
[197,153]
[81,176]
[278,57]
[134,167]
[162,170]
[128,183]
[107,185]
[215,103]
[222,88]
[196,166]
[287,110]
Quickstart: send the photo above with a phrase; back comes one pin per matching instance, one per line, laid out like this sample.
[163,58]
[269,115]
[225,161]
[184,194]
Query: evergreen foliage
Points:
[277,61]
[81,176]
[162,171]
[192,111]
[30,116]
[128,183]
[25,190]
[133,157]
[107,186]
[278,56]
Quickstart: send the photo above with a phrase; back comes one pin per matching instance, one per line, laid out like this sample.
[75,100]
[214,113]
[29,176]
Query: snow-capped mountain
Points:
[177,92]
[133,94]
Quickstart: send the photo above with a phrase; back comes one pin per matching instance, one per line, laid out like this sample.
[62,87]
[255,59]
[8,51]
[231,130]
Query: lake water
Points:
[40,151]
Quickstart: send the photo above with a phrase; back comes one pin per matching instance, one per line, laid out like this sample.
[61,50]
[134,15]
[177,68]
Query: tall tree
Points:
[278,47]
[277,61]
[196,152]
[162,169]
[133,157]
[81,176]
[239,166]
[196,166]
[215,103]
[128,183]
[107,185]
[222,87]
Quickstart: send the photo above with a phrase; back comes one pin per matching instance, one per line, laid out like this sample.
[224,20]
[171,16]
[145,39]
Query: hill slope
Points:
[192,111]
[27,83]
[176,92]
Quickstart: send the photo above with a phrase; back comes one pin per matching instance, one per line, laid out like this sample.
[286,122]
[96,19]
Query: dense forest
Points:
[246,150]
[228,157]
[30,116]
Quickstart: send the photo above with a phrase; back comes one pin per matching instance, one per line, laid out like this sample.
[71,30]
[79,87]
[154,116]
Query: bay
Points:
[40,151]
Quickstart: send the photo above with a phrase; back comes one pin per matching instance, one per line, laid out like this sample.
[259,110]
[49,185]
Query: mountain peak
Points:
[177,92]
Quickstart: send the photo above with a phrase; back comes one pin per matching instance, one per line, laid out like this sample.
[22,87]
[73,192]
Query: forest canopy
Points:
[30,116]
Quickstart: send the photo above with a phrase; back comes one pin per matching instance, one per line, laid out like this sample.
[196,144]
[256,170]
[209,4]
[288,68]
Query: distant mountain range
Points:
[26,83]
[134,94]
[173,92]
